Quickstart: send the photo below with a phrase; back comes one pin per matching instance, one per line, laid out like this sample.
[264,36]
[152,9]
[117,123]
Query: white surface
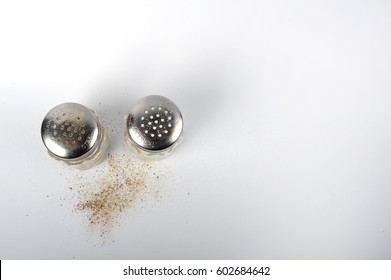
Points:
[287,109]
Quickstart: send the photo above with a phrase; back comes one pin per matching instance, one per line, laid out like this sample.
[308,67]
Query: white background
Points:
[287,109]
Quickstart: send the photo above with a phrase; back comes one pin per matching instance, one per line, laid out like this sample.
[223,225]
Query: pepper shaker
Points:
[73,134]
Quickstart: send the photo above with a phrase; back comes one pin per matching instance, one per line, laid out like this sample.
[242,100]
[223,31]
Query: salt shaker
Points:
[154,127]
[73,134]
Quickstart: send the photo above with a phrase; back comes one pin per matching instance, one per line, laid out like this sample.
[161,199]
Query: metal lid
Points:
[154,123]
[69,130]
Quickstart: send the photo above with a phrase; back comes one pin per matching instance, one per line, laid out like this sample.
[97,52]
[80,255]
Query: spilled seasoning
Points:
[117,188]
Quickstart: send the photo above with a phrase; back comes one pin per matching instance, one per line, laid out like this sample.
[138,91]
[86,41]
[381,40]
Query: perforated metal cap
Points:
[154,126]
[71,132]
